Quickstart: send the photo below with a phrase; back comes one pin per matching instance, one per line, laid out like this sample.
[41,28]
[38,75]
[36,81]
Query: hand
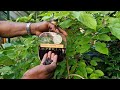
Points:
[38,28]
[42,71]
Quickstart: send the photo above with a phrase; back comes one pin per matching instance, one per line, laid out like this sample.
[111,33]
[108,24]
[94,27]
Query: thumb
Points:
[51,67]
[44,58]
[54,59]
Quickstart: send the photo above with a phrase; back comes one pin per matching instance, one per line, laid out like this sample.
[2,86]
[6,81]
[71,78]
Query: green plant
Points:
[92,50]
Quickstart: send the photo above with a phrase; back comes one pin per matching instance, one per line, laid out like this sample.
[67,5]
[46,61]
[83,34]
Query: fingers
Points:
[57,29]
[62,31]
[49,54]
[51,67]
[54,58]
[44,58]
[52,55]
[53,28]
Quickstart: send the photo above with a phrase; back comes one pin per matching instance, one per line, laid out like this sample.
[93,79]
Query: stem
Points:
[76,75]
[68,68]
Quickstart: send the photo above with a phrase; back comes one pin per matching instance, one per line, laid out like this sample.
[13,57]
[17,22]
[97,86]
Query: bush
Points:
[92,46]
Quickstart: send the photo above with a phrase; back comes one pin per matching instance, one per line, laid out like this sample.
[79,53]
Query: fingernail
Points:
[57,31]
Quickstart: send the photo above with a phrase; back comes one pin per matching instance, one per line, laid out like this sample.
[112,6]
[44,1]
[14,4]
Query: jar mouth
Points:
[51,33]
[52,38]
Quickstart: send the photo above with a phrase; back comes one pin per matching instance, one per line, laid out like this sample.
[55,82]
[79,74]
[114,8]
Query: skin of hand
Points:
[13,29]
[40,27]
[42,71]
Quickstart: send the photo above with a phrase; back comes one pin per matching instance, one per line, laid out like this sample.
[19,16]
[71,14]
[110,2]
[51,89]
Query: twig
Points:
[76,75]
[68,68]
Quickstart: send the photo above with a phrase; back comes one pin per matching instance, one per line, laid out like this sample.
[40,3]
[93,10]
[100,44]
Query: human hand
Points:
[42,71]
[38,28]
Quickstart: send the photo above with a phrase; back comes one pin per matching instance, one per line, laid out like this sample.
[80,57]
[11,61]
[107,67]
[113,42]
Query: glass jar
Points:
[51,41]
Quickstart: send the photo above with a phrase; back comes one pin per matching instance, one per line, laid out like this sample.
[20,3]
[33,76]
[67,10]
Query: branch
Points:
[76,75]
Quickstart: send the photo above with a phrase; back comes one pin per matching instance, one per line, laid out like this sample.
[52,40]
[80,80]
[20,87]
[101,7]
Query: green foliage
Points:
[89,70]
[103,37]
[115,29]
[92,50]
[93,62]
[19,56]
[101,47]
[66,23]
[86,19]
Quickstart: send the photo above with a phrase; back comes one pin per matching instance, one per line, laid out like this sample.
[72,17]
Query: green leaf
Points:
[82,72]
[104,30]
[22,19]
[28,41]
[88,32]
[61,68]
[99,73]
[11,53]
[94,76]
[24,54]
[101,47]
[115,29]
[106,12]
[82,64]
[104,37]
[117,14]
[84,48]
[56,73]
[46,17]
[93,62]
[76,14]
[5,60]
[72,69]
[61,14]
[89,70]
[1,52]
[88,20]
[79,73]
[94,12]
[30,16]
[66,23]
[84,40]
[113,21]
[5,69]
[96,59]
[72,62]
[116,67]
